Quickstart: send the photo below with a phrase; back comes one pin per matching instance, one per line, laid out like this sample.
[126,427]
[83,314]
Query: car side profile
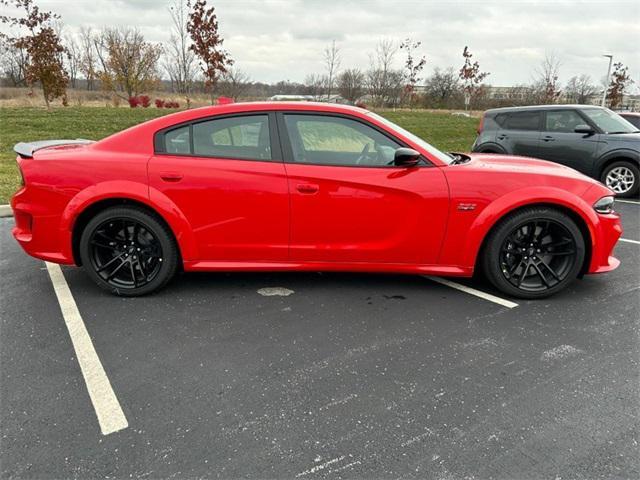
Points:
[590,139]
[301,186]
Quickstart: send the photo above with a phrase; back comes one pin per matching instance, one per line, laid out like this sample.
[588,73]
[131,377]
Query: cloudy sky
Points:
[283,39]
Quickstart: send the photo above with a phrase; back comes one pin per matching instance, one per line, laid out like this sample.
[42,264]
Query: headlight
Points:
[604,205]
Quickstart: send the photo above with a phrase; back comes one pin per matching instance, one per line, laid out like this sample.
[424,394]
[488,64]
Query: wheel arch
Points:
[616,156]
[91,201]
[490,147]
[575,207]
[577,218]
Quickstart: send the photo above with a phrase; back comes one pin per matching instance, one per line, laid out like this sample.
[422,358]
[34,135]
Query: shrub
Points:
[134,102]
[145,101]
[172,104]
[160,103]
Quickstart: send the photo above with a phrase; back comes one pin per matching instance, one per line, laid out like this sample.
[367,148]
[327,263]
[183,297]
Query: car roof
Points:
[631,114]
[539,107]
[277,105]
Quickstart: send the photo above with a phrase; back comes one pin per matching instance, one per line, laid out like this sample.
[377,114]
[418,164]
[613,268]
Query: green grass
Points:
[445,131]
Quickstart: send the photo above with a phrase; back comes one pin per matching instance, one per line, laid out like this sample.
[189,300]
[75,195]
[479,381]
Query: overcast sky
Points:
[273,40]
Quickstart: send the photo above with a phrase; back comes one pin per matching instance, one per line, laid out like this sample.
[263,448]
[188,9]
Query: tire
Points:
[622,177]
[533,253]
[128,251]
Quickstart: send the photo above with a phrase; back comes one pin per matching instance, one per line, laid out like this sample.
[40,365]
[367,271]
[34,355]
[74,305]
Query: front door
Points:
[559,143]
[227,177]
[349,203]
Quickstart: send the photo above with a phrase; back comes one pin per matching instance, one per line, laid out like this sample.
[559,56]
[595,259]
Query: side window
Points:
[563,121]
[326,140]
[522,121]
[177,141]
[234,137]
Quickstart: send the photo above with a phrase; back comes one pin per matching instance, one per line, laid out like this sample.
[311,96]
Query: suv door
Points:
[519,132]
[559,143]
[227,177]
[350,203]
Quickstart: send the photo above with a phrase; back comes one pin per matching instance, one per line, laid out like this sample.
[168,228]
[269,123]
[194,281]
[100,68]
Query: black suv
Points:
[593,140]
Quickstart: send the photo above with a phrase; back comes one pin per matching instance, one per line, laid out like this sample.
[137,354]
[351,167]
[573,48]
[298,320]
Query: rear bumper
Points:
[38,231]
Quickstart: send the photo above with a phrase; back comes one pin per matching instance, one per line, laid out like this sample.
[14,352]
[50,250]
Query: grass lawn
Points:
[443,130]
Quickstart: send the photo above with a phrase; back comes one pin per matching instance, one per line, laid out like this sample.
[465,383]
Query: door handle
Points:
[548,139]
[171,176]
[502,137]
[307,188]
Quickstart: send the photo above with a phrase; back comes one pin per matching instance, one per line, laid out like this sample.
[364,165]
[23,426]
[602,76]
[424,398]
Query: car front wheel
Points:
[128,251]
[534,253]
[623,178]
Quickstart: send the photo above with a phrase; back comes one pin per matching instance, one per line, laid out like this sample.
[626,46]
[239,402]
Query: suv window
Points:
[563,121]
[244,137]
[325,140]
[521,121]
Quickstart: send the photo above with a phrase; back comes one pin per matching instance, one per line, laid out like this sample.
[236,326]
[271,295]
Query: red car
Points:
[303,186]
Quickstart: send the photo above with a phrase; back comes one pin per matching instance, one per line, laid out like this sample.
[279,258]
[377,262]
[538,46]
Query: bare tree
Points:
[384,83]
[546,85]
[234,83]
[73,59]
[332,64]
[442,87]
[315,85]
[88,60]
[579,89]
[128,64]
[351,84]
[620,82]
[14,60]
[180,62]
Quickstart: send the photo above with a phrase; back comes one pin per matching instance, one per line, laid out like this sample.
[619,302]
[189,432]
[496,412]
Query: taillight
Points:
[479,130]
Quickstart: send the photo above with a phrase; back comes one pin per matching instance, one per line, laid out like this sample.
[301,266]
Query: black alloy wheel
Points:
[534,253]
[128,251]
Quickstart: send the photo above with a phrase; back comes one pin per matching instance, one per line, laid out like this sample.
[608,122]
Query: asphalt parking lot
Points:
[347,376]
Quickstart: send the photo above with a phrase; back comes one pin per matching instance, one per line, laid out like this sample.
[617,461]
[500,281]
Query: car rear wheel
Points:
[623,178]
[534,253]
[128,251]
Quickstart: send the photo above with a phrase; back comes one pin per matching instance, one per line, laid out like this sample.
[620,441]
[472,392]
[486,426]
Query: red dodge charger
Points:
[304,186]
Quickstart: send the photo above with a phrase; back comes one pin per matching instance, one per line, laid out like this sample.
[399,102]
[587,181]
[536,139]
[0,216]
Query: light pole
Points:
[606,80]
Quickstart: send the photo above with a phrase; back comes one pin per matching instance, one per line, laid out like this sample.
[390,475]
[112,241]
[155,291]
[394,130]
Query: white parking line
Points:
[472,291]
[627,201]
[628,240]
[110,415]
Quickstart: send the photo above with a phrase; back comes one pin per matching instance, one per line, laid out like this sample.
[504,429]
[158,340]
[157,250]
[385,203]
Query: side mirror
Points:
[586,129]
[406,157]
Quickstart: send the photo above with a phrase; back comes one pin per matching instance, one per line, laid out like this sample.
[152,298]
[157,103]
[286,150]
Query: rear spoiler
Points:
[26,149]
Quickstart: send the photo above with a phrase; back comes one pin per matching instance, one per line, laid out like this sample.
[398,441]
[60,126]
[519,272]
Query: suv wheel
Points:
[623,178]
[534,253]
[128,252]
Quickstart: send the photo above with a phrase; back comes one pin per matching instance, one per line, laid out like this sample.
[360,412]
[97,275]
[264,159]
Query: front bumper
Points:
[606,233]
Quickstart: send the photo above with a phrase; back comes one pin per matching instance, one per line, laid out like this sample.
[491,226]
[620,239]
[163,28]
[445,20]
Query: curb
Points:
[5,211]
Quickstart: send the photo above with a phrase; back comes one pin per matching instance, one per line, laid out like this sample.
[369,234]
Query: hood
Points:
[524,165]
[632,138]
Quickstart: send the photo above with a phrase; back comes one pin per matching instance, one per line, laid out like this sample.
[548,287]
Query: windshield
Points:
[608,121]
[415,139]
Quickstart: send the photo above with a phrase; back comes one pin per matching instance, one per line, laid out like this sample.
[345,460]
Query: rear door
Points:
[559,143]
[349,203]
[227,176]
[519,132]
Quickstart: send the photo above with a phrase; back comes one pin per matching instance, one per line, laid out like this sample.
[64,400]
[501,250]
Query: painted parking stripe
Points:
[628,240]
[472,291]
[108,410]
[633,202]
